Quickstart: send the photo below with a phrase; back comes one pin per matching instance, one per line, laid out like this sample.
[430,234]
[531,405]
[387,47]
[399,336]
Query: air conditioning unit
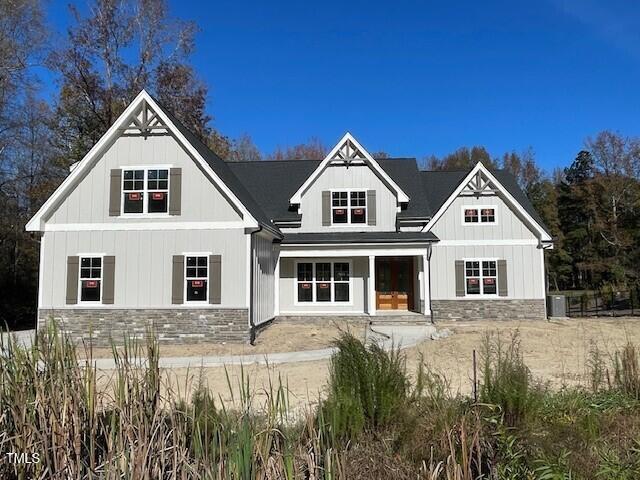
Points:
[556,306]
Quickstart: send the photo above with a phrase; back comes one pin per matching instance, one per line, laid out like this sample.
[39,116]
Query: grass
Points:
[377,420]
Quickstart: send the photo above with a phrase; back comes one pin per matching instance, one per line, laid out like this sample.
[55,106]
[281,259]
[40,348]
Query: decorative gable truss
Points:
[480,181]
[144,121]
[479,184]
[349,152]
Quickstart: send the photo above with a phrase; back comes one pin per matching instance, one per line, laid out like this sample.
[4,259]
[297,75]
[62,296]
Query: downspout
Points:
[252,326]
[428,272]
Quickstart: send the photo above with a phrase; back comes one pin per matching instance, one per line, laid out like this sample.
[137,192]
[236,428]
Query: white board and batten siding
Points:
[81,224]
[509,239]
[88,203]
[288,288]
[357,177]
[265,258]
[143,264]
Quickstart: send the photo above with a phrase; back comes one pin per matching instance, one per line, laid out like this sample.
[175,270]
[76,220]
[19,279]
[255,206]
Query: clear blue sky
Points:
[419,78]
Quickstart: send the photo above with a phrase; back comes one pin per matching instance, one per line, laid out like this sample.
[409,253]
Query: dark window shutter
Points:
[73,265]
[371,207]
[115,192]
[177,285]
[326,208]
[175,192]
[215,279]
[460,290]
[502,278]
[108,279]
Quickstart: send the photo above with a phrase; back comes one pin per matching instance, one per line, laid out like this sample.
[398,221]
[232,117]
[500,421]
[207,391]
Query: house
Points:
[151,226]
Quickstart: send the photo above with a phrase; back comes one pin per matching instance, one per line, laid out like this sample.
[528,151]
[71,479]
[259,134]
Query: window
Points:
[349,207]
[145,190]
[481,277]
[487,215]
[477,215]
[471,215]
[197,278]
[90,279]
[323,282]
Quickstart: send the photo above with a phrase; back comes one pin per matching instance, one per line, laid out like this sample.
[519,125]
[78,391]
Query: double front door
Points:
[394,283]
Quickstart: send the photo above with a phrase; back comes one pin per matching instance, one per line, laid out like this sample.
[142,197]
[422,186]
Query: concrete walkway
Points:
[401,335]
[388,335]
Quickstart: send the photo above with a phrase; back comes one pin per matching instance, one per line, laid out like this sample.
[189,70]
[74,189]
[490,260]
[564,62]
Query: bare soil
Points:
[555,351]
[275,338]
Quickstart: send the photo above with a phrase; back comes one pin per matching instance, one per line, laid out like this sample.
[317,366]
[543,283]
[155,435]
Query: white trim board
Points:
[369,160]
[128,224]
[37,222]
[486,243]
[384,252]
[544,236]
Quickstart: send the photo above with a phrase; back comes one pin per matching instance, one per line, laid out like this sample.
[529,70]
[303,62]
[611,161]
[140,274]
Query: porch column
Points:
[426,285]
[276,288]
[371,286]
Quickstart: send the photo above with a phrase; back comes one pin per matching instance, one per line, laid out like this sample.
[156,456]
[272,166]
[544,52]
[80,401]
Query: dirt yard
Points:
[556,352]
[279,337]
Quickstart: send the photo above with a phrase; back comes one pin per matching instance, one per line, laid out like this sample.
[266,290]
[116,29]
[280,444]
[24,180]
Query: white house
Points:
[151,226]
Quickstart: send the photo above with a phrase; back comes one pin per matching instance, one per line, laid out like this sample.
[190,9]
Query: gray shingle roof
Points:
[221,168]
[265,187]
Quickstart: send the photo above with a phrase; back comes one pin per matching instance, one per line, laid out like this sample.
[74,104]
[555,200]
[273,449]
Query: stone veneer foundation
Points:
[488,309]
[175,326]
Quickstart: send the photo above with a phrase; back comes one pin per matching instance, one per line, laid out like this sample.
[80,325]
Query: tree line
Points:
[115,48]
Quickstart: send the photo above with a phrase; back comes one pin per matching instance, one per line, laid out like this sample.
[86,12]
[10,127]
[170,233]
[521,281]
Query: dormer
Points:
[348,191]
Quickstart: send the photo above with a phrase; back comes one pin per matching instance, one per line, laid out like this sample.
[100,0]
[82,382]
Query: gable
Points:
[480,183]
[339,177]
[347,153]
[87,202]
[144,118]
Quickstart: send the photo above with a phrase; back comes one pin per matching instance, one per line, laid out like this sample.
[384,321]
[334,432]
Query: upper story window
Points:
[90,279]
[479,215]
[481,277]
[145,190]
[349,207]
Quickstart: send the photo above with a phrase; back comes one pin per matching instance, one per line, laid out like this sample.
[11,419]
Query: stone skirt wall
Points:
[173,326]
[488,309]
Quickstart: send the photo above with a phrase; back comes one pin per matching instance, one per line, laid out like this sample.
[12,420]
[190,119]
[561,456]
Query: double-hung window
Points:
[318,282]
[196,278]
[349,207]
[481,277]
[479,215]
[90,279]
[145,190]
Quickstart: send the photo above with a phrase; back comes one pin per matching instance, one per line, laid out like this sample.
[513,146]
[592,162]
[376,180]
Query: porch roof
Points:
[358,237]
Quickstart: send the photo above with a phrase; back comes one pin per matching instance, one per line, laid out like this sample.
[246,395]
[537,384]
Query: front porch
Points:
[389,283]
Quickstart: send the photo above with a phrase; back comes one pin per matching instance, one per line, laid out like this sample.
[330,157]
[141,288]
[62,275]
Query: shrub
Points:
[506,380]
[368,387]
[626,372]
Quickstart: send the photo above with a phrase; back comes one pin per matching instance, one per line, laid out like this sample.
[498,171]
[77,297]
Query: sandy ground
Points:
[278,337]
[555,351]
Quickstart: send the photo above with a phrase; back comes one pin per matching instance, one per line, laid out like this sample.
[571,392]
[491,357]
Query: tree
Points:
[463,158]
[244,150]
[24,155]
[114,52]
[523,167]
[314,149]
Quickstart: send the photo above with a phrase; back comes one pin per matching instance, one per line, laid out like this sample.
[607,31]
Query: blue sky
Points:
[418,78]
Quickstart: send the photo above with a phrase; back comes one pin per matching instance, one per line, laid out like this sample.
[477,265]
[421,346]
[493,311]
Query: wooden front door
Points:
[394,283]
